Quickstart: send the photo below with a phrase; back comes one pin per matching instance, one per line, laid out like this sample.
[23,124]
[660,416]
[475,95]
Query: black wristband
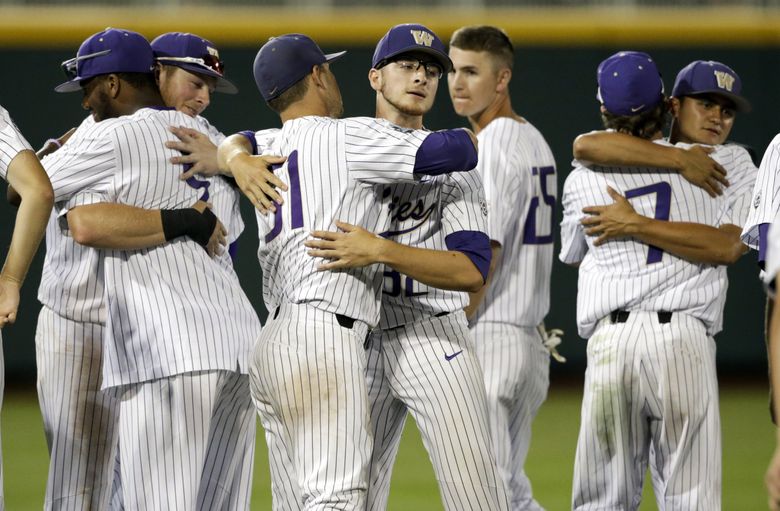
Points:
[188,222]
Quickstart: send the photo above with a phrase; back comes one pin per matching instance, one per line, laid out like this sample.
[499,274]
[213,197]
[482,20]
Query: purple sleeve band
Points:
[250,136]
[763,240]
[475,245]
[445,151]
[233,250]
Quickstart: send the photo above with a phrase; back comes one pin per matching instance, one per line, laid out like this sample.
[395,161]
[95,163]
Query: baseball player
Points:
[649,309]
[507,315]
[421,358]
[181,347]
[21,169]
[308,372]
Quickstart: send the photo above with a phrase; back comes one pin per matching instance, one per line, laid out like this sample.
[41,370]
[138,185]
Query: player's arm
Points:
[694,242]
[619,149]
[236,158]
[29,179]
[476,297]
[462,268]
[106,225]
[772,477]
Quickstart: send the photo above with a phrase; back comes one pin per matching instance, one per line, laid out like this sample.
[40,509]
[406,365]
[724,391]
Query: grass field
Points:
[747,445]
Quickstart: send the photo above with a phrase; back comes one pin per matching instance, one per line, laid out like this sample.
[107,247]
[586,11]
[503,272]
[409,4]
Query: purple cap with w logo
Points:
[407,38]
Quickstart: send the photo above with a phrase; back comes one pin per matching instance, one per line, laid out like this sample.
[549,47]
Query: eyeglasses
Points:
[410,65]
[71,66]
[208,61]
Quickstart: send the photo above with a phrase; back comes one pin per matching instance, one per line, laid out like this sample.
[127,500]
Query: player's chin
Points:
[461,106]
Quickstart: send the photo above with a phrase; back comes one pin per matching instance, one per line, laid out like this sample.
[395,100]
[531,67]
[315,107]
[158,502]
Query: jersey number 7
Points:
[663,201]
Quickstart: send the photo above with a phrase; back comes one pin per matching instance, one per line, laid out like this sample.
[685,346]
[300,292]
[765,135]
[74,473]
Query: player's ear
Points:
[113,85]
[317,76]
[157,72]
[504,77]
[674,106]
[375,79]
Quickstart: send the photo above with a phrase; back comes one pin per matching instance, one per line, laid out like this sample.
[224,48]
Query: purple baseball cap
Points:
[710,77]
[284,60]
[194,54]
[629,83]
[114,50]
[407,38]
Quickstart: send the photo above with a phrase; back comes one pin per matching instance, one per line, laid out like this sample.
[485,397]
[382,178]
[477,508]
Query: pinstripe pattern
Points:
[79,419]
[509,151]
[407,370]
[516,368]
[617,276]
[337,161]
[11,143]
[649,386]
[308,384]
[189,436]
[518,169]
[171,309]
[765,204]
[423,215]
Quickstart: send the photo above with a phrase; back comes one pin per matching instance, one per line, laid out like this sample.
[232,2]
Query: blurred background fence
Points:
[559,44]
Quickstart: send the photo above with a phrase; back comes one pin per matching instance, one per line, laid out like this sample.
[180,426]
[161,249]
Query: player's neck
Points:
[303,109]
[501,107]
[414,122]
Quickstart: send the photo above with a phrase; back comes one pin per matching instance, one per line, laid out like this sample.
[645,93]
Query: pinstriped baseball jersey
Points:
[423,215]
[359,152]
[11,142]
[171,309]
[629,275]
[518,170]
[765,205]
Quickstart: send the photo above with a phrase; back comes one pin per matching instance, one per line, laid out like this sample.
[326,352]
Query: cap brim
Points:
[223,84]
[440,57]
[69,86]
[330,57]
[741,104]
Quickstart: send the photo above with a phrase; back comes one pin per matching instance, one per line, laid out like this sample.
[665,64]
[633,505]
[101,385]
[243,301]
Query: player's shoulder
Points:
[209,129]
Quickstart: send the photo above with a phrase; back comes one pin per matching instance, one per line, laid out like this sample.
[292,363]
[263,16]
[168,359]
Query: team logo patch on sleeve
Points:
[483,206]
[757,200]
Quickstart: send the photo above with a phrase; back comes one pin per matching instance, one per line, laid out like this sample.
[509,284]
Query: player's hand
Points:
[9,300]
[700,170]
[198,151]
[615,220]
[355,247]
[772,479]
[254,177]
[218,239]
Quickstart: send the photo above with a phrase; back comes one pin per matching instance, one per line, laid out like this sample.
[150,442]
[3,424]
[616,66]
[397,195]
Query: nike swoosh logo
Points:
[640,107]
[450,357]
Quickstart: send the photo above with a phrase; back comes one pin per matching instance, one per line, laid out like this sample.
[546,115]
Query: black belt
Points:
[620,316]
[343,321]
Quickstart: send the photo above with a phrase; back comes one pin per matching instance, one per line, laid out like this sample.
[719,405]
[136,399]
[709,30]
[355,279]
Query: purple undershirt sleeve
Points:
[446,151]
[475,245]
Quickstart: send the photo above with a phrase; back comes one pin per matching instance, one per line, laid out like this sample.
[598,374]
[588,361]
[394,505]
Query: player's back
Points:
[626,274]
[518,169]
[330,169]
[170,308]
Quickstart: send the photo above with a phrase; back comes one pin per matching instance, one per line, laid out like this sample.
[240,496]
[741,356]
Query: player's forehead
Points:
[180,72]
[471,58]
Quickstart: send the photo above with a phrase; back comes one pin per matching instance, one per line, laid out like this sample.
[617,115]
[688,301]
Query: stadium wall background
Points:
[553,86]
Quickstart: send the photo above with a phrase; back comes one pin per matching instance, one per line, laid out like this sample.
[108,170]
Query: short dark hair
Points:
[644,125]
[293,94]
[139,80]
[485,38]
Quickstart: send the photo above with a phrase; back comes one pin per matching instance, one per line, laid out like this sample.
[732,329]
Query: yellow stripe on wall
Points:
[245,26]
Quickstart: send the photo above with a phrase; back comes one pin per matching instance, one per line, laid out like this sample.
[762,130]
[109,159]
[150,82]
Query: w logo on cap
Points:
[725,80]
[422,37]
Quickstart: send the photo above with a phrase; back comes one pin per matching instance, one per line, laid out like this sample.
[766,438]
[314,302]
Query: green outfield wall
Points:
[553,86]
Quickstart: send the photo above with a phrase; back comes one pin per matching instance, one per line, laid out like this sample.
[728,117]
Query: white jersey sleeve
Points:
[765,203]
[11,142]
[574,243]
[380,152]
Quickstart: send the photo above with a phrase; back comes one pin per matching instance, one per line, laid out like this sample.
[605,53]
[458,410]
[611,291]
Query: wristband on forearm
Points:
[188,222]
